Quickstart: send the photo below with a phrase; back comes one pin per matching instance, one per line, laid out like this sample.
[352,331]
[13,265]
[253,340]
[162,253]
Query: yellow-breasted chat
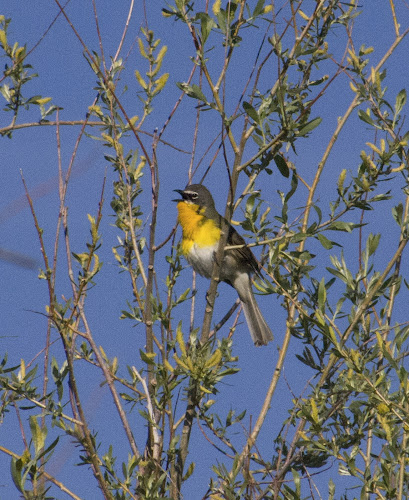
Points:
[202,227]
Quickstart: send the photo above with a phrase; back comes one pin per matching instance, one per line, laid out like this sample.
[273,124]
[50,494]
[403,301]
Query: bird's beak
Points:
[181,192]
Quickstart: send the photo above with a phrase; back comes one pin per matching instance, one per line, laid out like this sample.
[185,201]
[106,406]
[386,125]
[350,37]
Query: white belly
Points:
[201,259]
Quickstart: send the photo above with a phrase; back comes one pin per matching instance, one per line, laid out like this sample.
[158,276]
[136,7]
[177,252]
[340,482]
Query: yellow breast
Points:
[196,227]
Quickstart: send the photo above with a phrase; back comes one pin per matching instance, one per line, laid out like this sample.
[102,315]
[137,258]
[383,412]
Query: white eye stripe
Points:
[191,194]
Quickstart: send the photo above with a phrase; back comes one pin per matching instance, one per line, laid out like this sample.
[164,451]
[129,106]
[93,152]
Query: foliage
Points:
[343,308]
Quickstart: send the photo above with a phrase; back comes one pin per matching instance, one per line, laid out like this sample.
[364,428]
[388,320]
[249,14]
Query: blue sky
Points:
[65,76]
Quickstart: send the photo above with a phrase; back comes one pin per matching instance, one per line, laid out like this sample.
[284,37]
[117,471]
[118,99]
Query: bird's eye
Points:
[194,196]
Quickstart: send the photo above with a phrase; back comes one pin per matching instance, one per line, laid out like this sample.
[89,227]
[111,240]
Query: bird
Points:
[202,227]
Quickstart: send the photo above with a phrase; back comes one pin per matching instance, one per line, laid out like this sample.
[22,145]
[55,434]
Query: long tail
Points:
[259,330]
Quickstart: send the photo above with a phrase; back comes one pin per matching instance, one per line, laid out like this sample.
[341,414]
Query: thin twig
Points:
[156,440]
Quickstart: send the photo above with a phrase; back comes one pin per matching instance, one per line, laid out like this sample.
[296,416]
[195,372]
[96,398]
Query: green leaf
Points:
[183,297]
[207,24]
[336,273]
[297,482]
[347,227]
[251,112]
[49,449]
[258,8]
[82,258]
[250,204]
[282,166]
[192,91]
[386,352]
[222,20]
[372,243]
[147,357]
[38,434]
[16,469]
[189,471]
[198,93]
[397,213]
[299,237]
[325,242]
[319,213]
[365,118]
[400,101]
[307,359]
[309,127]
[180,4]
[294,185]
[322,295]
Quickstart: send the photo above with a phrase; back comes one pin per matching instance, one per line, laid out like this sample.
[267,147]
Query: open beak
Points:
[181,192]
